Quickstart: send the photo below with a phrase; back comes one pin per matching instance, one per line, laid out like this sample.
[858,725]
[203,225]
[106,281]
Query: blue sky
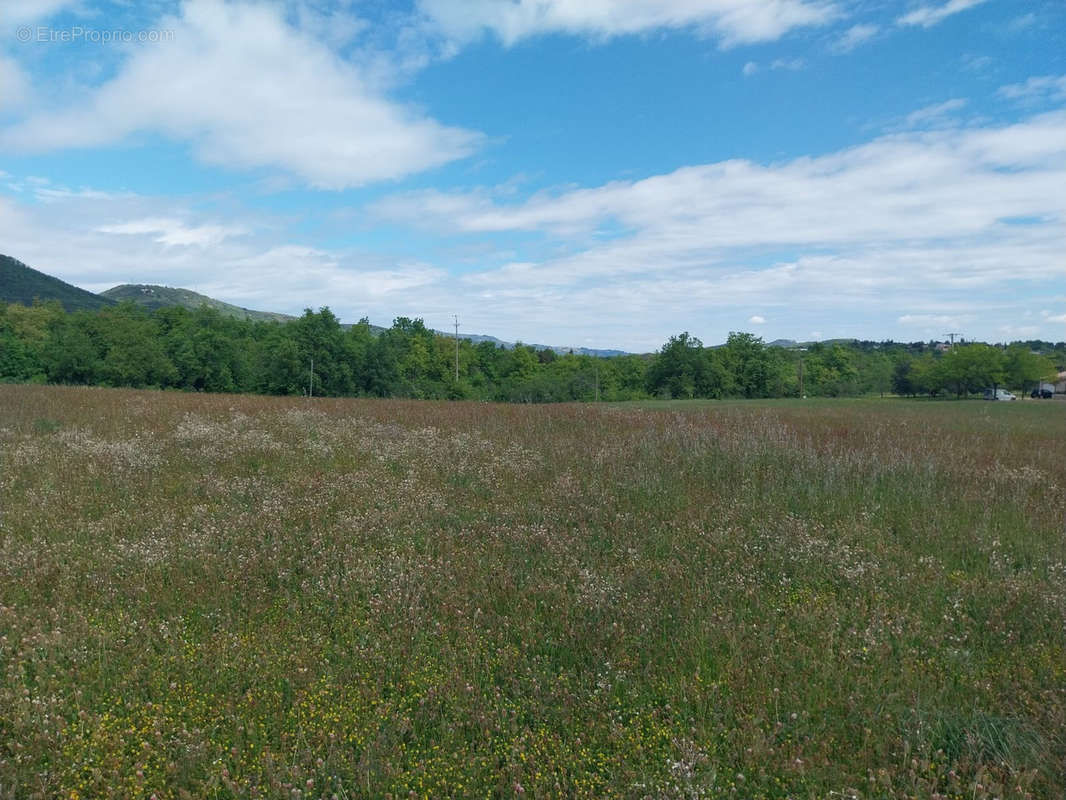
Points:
[603,174]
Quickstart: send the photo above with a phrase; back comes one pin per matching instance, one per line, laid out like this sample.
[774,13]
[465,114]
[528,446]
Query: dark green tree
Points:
[750,363]
[677,372]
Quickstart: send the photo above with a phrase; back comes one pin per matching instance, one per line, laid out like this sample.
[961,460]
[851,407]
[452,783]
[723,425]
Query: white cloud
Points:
[1022,22]
[854,36]
[755,319]
[910,186]
[51,195]
[1057,318]
[732,21]
[791,64]
[241,258]
[905,219]
[928,16]
[44,191]
[1044,86]
[934,320]
[1015,332]
[19,12]
[14,85]
[173,232]
[934,114]
[247,89]
[337,26]
[313,277]
[976,63]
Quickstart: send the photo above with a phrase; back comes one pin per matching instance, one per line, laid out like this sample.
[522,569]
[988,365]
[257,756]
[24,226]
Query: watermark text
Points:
[40,34]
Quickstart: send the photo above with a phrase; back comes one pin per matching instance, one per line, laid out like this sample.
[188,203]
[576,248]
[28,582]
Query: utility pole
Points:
[457,348]
[311,382]
[597,363]
[952,337]
[801,376]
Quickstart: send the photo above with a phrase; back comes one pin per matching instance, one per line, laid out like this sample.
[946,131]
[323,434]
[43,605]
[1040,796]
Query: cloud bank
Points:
[246,89]
[731,21]
[928,16]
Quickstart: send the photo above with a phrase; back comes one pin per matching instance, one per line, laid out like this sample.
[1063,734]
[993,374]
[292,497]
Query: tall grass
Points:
[220,596]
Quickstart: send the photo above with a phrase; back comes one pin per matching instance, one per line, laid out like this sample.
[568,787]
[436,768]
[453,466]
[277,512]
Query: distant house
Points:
[1060,383]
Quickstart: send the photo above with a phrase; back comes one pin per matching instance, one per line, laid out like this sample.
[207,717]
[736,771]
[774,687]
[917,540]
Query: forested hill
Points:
[154,297]
[22,284]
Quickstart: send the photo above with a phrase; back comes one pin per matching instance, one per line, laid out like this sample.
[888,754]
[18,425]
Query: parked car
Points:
[1042,394]
[999,394]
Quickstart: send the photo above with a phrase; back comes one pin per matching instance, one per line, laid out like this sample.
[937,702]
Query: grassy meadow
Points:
[212,596]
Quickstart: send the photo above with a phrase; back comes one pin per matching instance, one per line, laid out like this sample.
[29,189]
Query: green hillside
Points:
[22,284]
[153,297]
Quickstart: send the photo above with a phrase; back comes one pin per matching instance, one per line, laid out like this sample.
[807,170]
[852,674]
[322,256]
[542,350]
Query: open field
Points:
[221,596]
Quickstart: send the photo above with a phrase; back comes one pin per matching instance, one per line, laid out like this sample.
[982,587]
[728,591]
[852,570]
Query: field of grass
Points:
[220,596]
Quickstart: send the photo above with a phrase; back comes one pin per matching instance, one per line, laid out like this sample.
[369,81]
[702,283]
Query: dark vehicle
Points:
[1042,394]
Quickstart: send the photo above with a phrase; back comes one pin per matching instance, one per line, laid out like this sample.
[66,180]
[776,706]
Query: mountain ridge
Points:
[154,296]
[20,283]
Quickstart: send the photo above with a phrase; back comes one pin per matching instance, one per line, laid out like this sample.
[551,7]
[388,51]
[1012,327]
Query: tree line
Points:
[203,350]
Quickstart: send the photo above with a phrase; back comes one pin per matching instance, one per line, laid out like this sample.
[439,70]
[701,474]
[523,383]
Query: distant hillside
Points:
[154,297]
[22,284]
[478,338]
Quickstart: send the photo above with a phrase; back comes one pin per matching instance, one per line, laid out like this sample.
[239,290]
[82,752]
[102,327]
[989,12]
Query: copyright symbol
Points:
[24,34]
